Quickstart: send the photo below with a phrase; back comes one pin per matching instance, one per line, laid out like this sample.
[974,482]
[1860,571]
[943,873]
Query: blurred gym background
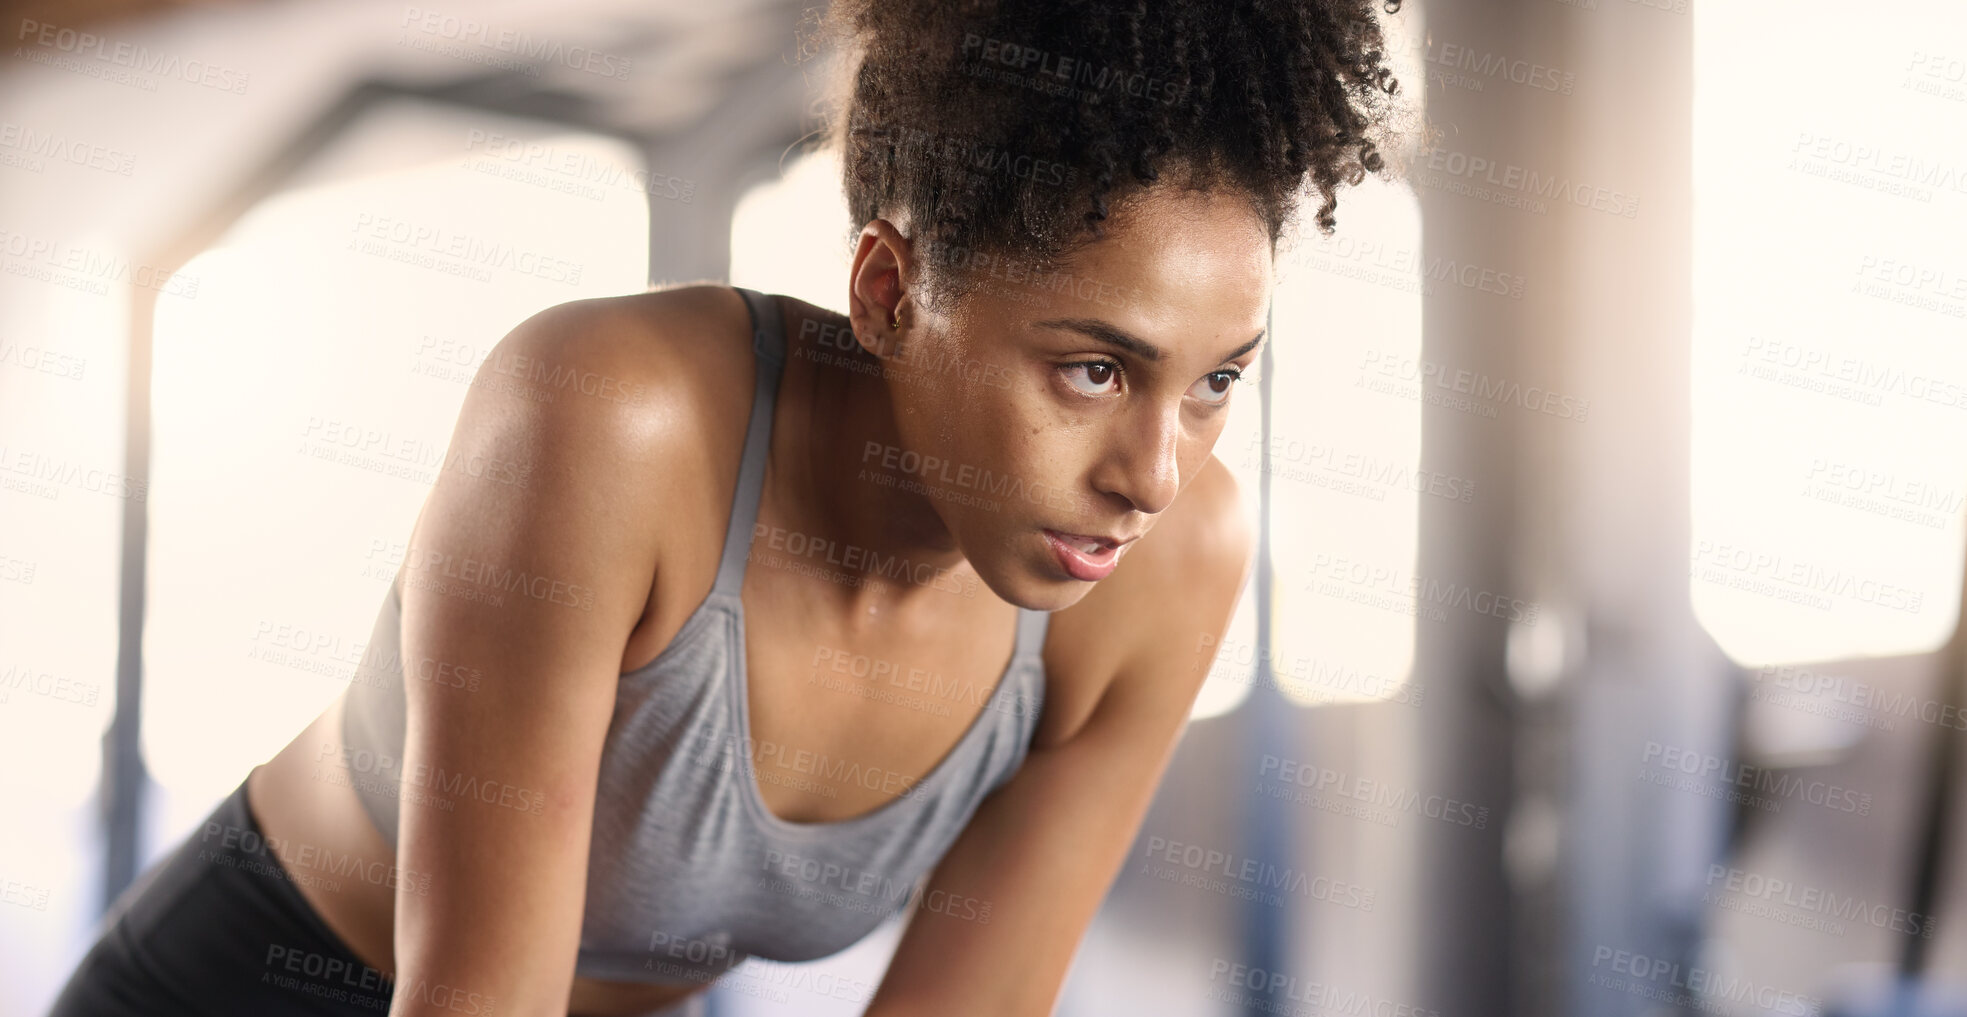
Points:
[1602,654]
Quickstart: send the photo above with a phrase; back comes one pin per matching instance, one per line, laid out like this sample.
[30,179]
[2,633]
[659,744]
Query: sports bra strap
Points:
[768,349]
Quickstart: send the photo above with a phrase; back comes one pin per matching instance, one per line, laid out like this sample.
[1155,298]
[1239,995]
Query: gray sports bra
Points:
[688,872]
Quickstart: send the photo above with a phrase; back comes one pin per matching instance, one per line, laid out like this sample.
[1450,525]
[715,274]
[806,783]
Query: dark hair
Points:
[1013,128]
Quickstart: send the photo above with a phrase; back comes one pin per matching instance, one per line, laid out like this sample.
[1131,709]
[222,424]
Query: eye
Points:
[1100,373]
[1214,388]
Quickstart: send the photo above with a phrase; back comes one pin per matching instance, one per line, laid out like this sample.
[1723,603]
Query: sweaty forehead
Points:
[1180,252]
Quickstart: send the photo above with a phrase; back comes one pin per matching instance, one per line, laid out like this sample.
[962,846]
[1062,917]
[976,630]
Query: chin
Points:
[1022,585]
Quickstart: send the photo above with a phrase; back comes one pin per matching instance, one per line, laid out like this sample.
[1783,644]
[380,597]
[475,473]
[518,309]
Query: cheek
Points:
[1027,462]
[1016,449]
[1198,442]
[1195,450]
[970,439]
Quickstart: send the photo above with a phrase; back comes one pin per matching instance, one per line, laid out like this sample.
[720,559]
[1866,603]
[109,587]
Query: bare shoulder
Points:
[623,349]
[624,376]
[1170,598]
[613,404]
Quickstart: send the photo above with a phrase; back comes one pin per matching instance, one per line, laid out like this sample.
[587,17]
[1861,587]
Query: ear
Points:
[877,285]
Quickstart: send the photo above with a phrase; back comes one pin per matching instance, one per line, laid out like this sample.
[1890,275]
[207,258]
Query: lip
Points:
[1082,565]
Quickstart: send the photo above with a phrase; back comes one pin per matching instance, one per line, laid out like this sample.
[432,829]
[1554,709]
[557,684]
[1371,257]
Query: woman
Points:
[798,619]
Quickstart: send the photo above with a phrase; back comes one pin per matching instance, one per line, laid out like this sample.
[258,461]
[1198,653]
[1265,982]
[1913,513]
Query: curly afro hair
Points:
[1014,128]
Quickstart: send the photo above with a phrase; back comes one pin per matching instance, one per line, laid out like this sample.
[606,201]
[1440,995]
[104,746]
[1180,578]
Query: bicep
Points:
[533,577]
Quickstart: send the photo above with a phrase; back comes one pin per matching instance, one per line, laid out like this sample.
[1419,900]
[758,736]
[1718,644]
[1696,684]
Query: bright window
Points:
[1345,453]
[1830,329]
[790,235]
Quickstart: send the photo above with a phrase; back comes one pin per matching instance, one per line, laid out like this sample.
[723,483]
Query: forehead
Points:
[1184,268]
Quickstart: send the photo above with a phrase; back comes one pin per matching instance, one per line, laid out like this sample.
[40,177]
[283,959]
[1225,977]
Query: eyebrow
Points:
[1113,335]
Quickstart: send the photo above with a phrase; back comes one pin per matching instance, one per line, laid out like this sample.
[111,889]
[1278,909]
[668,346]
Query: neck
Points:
[882,530]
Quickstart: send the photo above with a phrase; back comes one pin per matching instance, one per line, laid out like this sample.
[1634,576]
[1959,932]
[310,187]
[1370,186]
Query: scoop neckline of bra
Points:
[738,690]
[738,694]
[919,791]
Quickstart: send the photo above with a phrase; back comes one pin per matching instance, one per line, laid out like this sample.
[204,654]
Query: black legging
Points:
[216,928]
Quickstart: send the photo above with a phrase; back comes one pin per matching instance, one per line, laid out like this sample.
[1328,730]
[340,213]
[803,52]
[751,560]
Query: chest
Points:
[841,722]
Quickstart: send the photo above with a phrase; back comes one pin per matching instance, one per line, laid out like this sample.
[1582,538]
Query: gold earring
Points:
[895,319]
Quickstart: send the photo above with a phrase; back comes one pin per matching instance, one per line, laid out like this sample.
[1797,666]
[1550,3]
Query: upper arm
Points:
[1044,848]
[535,575]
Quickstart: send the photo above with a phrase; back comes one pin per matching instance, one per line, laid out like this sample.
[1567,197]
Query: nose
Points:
[1144,467]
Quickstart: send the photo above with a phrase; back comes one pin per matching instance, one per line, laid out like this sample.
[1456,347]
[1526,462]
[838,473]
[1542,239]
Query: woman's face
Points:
[1083,405]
